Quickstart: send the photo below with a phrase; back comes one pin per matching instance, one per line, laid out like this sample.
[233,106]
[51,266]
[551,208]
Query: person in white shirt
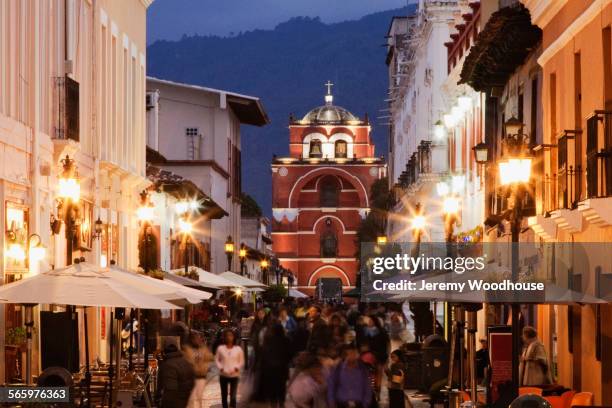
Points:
[230,361]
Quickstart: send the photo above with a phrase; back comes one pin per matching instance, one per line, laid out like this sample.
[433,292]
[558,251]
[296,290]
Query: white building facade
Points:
[196,130]
[72,83]
[418,153]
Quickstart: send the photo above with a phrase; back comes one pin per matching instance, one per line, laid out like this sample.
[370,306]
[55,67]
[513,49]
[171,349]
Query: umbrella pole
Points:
[29,324]
[131,347]
[472,353]
[111,372]
[87,370]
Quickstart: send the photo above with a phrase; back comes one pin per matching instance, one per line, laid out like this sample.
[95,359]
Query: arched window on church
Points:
[329,245]
[340,149]
[316,149]
[329,193]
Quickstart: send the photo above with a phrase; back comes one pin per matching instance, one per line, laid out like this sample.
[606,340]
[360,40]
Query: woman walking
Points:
[230,361]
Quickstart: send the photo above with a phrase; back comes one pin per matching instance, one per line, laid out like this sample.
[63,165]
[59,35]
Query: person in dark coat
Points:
[272,371]
[257,332]
[175,379]
[319,338]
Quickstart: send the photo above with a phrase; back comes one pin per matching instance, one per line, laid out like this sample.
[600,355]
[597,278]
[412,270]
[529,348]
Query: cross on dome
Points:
[329,98]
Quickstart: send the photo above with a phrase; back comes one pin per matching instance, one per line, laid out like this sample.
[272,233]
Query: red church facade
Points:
[321,194]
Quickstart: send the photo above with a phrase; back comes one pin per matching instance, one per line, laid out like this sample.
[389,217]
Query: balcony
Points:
[418,170]
[599,154]
[66,109]
[597,208]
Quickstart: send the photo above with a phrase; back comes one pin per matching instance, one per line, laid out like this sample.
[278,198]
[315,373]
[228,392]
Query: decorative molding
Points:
[569,220]
[343,274]
[574,28]
[290,213]
[327,168]
[545,227]
[597,211]
[542,11]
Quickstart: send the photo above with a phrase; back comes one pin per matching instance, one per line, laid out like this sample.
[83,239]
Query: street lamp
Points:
[242,253]
[481,153]
[439,131]
[185,228]
[145,213]
[229,251]
[98,228]
[69,194]
[263,265]
[515,172]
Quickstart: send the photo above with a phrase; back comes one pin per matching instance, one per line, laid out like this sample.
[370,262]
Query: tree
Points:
[249,207]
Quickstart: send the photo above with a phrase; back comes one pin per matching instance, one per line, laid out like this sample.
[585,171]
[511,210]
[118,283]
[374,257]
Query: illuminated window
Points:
[340,149]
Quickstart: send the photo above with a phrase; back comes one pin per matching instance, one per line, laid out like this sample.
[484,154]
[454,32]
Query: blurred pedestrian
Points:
[288,322]
[319,337]
[348,384]
[482,360]
[230,361]
[533,368]
[307,387]
[272,370]
[395,381]
[257,333]
[175,379]
[378,341]
[200,358]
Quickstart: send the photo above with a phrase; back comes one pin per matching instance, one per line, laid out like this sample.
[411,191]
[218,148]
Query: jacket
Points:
[175,380]
[534,365]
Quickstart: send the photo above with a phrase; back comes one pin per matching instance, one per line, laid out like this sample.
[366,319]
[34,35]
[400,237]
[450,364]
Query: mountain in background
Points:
[286,68]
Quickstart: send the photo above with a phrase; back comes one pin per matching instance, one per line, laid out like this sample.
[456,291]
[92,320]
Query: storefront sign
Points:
[500,354]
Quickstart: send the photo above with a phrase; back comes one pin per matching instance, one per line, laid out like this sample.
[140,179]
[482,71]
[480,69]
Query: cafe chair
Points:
[563,401]
[582,398]
[530,390]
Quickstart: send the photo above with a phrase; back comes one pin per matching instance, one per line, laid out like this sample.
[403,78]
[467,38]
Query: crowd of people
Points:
[303,354]
[297,355]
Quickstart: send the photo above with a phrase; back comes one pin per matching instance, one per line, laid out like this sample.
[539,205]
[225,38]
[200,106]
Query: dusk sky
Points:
[170,19]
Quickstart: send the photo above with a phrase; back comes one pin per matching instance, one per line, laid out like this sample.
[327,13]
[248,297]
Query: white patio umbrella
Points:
[163,289]
[84,285]
[210,280]
[297,294]
[241,280]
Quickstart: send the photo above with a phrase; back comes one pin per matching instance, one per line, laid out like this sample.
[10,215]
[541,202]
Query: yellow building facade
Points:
[574,201]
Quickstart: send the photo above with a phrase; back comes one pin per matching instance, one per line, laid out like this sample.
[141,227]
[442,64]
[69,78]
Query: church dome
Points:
[329,114]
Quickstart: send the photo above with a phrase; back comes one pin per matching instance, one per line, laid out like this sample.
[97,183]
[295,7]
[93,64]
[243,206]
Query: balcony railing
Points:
[66,109]
[599,154]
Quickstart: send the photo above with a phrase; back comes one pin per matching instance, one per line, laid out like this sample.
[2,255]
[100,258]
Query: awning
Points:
[501,47]
[206,279]
[181,187]
[241,280]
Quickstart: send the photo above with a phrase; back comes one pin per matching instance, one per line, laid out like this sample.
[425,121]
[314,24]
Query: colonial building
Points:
[196,132]
[418,152]
[72,83]
[321,193]
[573,196]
